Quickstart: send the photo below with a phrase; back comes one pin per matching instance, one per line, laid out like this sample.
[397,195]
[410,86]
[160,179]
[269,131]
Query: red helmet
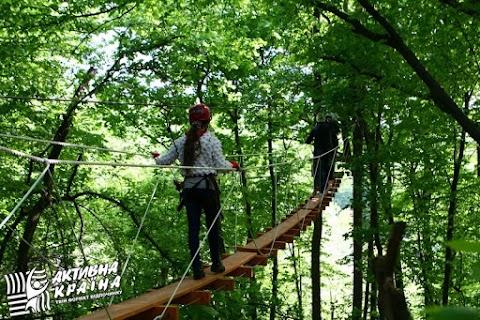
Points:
[199,112]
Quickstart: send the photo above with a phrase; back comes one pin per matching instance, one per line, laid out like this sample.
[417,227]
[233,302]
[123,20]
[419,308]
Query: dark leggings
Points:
[322,167]
[196,201]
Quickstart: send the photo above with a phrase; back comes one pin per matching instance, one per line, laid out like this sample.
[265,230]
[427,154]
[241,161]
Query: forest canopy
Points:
[87,82]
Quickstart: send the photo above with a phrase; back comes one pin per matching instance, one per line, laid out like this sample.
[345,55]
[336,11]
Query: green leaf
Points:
[464,245]
[476,271]
[452,313]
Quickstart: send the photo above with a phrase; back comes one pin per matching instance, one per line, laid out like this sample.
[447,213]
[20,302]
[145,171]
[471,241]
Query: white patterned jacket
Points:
[211,155]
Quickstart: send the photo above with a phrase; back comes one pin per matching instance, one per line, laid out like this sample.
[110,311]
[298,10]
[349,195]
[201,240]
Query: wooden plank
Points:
[267,238]
[270,252]
[258,260]
[155,298]
[294,231]
[197,297]
[146,306]
[222,284]
[286,238]
[279,244]
[243,271]
[172,313]
[225,255]
[305,222]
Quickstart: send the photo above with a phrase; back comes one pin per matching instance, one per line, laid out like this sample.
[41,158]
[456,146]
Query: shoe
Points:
[198,274]
[217,267]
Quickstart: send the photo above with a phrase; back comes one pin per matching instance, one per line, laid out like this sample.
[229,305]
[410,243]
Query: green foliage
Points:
[464,246]
[268,67]
[451,313]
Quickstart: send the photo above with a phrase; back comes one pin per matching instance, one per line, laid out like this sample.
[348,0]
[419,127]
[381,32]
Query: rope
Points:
[112,164]
[56,161]
[81,146]
[139,165]
[106,102]
[149,104]
[255,154]
[24,155]
[33,248]
[299,220]
[94,163]
[47,167]
[68,219]
[19,204]
[236,218]
[65,144]
[276,191]
[138,231]
[288,162]
[191,261]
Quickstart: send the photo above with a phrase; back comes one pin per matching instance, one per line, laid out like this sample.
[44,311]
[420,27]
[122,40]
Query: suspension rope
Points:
[255,154]
[82,146]
[77,238]
[24,155]
[132,248]
[111,164]
[57,161]
[21,238]
[276,223]
[94,163]
[259,252]
[137,165]
[73,145]
[301,221]
[107,102]
[19,204]
[194,256]
[62,204]
[289,162]
[237,189]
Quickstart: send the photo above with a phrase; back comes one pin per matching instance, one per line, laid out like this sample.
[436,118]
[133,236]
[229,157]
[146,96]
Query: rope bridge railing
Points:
[49,162]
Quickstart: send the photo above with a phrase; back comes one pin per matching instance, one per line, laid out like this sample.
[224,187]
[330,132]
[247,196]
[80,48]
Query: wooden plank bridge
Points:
[240,264]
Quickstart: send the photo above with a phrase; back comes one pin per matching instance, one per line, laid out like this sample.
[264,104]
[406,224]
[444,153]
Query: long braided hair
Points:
[199,116]
[192,147]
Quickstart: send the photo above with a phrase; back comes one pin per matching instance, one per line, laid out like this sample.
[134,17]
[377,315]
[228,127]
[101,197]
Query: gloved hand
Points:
[155,155]
[235,165]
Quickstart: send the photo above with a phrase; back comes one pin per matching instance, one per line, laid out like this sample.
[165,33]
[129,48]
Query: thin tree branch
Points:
[124,207]
[463,7]
[438,94]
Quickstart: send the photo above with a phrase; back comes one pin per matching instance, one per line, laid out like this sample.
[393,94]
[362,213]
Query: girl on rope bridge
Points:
[199,149]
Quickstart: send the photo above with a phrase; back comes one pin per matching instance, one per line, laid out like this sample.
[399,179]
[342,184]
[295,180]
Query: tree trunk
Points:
[478,161]
[316,271]
[371,287]
[391,302]
[298,283]
[34,214]
[273,184]
[427,290]
[248,206]
[357,172]
[243,175]
[373,143]
[392,39]
[457,165]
